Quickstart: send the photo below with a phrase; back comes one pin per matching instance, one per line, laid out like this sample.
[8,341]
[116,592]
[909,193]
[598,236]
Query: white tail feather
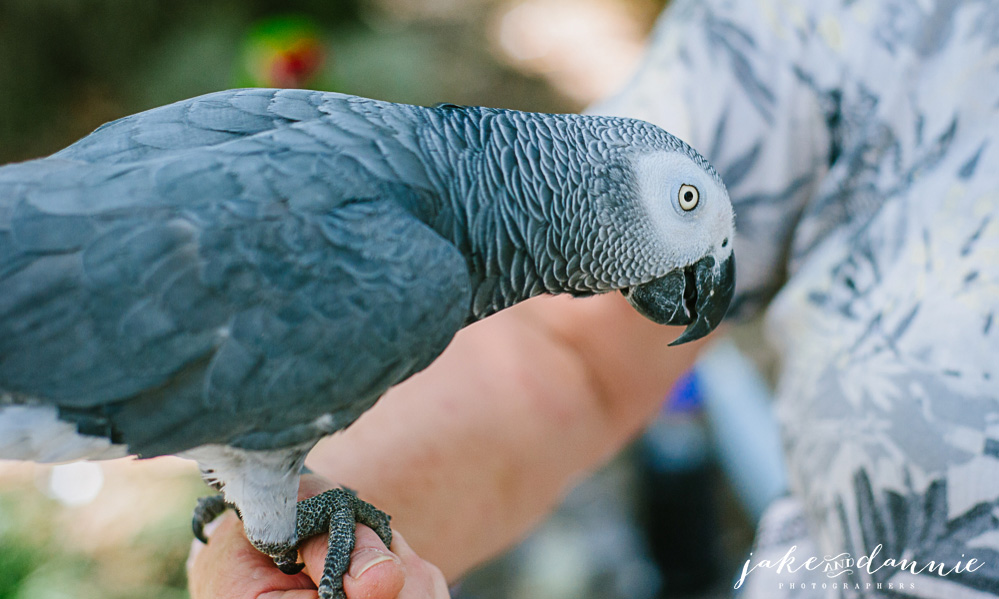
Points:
[35,433]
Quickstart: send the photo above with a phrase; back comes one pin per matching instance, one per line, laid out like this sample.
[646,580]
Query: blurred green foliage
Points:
[67,66]
[52,551]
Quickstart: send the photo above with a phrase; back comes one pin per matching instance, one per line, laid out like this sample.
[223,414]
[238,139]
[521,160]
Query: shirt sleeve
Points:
[724,77]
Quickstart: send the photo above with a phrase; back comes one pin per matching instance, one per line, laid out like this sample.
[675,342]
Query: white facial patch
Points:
[690,226]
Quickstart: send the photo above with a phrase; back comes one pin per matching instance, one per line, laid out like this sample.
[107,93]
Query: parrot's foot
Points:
[208,509]
[211,507]
[334,512]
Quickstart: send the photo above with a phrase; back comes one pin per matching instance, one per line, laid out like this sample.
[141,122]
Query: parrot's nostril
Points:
[725,243]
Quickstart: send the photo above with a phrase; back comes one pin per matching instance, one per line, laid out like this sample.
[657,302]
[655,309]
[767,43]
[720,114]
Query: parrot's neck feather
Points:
[511,203]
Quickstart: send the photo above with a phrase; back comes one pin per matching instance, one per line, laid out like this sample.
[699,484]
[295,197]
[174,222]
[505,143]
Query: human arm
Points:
[470,454]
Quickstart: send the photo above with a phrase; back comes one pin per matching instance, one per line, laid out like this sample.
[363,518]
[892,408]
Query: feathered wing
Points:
[254,294]
[203,121]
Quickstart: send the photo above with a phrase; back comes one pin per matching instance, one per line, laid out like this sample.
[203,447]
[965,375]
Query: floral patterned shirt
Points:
[860,144]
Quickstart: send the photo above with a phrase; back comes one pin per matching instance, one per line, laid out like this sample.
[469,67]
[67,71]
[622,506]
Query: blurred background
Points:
[672,517]
[67,67]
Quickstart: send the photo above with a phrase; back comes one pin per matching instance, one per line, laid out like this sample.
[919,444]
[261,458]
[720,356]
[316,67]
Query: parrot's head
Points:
[590,204]
[667,227]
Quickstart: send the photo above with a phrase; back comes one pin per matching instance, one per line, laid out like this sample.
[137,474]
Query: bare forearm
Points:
[469,454]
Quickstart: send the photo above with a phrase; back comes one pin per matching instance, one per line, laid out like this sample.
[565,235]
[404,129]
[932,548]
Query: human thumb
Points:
[374,571]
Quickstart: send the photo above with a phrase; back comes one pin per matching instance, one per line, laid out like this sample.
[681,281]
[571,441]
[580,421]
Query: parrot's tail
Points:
[35,433]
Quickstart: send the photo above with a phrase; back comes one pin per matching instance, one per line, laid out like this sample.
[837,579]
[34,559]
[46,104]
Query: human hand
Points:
[228,567]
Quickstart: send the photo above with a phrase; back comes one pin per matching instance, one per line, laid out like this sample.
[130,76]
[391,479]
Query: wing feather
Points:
[230,269]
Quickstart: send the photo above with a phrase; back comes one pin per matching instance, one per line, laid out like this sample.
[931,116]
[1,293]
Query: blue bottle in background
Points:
[678,481]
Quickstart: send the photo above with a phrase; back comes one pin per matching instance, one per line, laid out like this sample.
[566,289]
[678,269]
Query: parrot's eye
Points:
[689,197]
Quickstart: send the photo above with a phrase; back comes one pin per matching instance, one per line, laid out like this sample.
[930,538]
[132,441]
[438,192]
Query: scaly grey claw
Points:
[208,509]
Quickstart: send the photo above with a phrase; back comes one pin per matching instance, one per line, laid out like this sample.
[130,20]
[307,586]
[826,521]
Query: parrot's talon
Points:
[207,509]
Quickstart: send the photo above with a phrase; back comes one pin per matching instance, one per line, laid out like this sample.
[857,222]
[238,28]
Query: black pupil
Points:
[688,196]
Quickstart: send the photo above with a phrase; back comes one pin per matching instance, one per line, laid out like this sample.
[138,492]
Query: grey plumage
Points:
[250,270]
[221,269]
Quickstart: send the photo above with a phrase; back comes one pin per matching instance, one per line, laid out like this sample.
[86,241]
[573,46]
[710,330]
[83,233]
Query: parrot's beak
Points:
[697,295]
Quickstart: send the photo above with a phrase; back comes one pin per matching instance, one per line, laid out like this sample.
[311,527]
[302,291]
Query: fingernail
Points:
[366,559]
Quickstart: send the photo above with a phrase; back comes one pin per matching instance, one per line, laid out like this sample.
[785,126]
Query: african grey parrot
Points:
[231,278]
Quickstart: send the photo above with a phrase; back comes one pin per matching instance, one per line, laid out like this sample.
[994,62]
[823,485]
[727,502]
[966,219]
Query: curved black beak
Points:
[697,296]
